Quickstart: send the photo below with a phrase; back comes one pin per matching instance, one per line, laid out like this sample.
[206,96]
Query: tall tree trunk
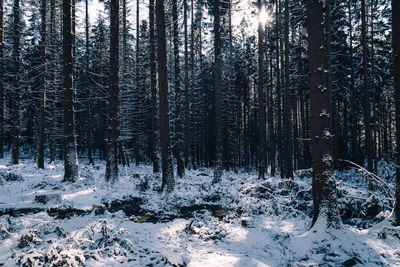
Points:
[40,159]
[354,127]
[261,99]
[192,73]
[52,65]
[271,126]
[113,95]
[178,124]
[396,71]
[367,108]
[1,78]
[279,88]
[186,80]
[138,89]
[70,151]
[287,120]
[328,76]
[89,95]
[324,188]
[217,92]
[153,84]
[16,90]
[168,181]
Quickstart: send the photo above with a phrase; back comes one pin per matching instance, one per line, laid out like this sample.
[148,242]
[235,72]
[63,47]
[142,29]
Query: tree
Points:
[70,150]
[138,88]
[113,95]
[53,84]
[16,90]
[261,99]
[186,80]
[1,79]
[168,181]
[396,72]
[40,162]
[287,125]
[89,95]
[366,104]
[177,83]
[324,188]
[217,92]
[153,84]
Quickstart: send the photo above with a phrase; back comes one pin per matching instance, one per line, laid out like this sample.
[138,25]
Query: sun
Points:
[263,16]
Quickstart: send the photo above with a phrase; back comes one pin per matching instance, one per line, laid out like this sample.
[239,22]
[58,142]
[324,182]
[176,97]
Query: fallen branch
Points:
[373,176]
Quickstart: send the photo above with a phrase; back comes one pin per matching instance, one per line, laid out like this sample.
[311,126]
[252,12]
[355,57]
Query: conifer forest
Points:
[199,133]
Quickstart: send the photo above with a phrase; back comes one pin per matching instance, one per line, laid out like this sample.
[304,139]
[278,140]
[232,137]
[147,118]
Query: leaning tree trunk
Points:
[396,53]
[217,92]
[324,188]
[168,181]
[153,84]
[40,159]
[16,90]
[1,78]
[261,100]
[113,95]
[70,153]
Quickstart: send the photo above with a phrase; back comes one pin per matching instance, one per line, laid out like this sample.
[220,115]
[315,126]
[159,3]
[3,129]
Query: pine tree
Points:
[70,150]
[186,82]
[261,99]
[153,84]
[396,71]
[15,98]
[366,104]
[217,92]
[323,184]
[177,84]
[40,162]
[287,118]
[168,181]
[113,95]
[1,78]
[89,125]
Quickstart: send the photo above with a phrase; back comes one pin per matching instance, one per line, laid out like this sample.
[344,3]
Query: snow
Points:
[241,221]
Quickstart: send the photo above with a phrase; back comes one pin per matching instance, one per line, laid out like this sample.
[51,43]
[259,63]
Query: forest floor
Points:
[242,221]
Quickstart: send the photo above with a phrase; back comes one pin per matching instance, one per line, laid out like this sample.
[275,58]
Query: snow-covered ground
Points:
[241,221]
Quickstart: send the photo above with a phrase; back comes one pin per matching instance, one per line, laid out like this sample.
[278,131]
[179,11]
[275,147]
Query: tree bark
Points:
[287,123]
[70,152]
[153,84]
[396,54]
[324,188]
[168,181]
[367,108]
[113,95]
[40,160]
[279,89]
[186,80]
[138,90]
[15,81]
[261,100]
[178,94]
[53,127]
[1,78]
[217,92]
[89,95]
